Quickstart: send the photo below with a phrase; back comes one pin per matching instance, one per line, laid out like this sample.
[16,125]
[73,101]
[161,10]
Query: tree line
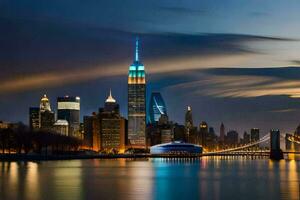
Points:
[19,139]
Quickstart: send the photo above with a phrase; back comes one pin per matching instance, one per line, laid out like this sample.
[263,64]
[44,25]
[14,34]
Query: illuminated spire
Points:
[45,103]
[137,49]
[110,99]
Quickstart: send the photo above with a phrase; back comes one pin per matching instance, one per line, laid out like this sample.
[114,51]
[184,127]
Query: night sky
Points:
[232,61]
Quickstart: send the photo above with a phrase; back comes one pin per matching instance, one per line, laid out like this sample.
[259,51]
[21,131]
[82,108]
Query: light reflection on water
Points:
[205,178]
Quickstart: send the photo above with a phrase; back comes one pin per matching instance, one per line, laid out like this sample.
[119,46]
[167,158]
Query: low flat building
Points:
[176,147]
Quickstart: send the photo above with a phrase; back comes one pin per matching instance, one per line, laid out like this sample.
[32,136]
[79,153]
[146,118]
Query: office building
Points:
[203,134]
[34,118]
[137,102]
[106,130]
[46,116]
[88,131]
[254,134]
[189,125]
[232,138]
[68,108]
[222,133]
[61,127]
[157,107]
[246,138]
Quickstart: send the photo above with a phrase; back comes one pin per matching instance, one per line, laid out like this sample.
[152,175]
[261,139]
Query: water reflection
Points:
[205,178]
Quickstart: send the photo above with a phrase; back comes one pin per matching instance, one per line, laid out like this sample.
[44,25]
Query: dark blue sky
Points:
[226,59]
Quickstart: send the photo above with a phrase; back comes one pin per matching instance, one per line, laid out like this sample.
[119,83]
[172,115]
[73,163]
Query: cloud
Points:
[295,62]
[288,110]
[241,86]
[42,54]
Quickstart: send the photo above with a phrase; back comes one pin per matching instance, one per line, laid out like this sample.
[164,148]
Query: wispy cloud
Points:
[242,86]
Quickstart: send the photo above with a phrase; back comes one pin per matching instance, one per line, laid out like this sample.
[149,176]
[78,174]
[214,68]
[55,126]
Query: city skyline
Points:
[201,63]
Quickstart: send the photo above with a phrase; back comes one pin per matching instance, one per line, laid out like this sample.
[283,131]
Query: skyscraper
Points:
[34,118]
[157,107]
[112,126]
[68,108]
[46,116]
[232,138]
[203,133]
[106,130]
[137,102]
[254,134]
[222,133]
[188,123]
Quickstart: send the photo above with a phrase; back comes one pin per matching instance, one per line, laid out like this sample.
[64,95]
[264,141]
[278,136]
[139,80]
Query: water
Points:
[206,178]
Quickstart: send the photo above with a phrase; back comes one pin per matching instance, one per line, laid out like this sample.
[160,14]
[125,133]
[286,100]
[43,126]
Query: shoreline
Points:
[23,157]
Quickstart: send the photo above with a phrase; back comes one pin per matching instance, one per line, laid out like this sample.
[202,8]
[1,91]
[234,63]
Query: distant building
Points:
[46,116]
[112,126]
[161,132]
[106,130]
[88,131]
[232,138]
[68,108]
[189,125]
[47,120]
[203,134]
[4,125]
[137,102]
[222,133]
[157,107]
[254,134]
[246,138]
[166,129]
[179,132]
[61,127]
[34,118]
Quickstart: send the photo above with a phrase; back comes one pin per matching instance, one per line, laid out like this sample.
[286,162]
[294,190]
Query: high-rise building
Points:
[46,116]
[203,134]
[112,126]
[254,134]
[222,133]
[189,125]
[88,131]
[105,130]
[246,138]
[68,108]
[157,107]
[34,118]
[137,102]
[232,138]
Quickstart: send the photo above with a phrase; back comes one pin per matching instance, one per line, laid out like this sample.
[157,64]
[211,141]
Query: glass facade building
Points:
[157,107]
[68,108]
[137,103]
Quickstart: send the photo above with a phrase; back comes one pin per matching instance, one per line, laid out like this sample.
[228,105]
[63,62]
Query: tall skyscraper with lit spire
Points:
[137,102]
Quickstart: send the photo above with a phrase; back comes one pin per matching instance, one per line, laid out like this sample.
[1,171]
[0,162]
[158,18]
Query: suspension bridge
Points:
[246,150]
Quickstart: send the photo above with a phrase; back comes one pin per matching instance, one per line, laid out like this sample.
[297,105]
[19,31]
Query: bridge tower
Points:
[275,151]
